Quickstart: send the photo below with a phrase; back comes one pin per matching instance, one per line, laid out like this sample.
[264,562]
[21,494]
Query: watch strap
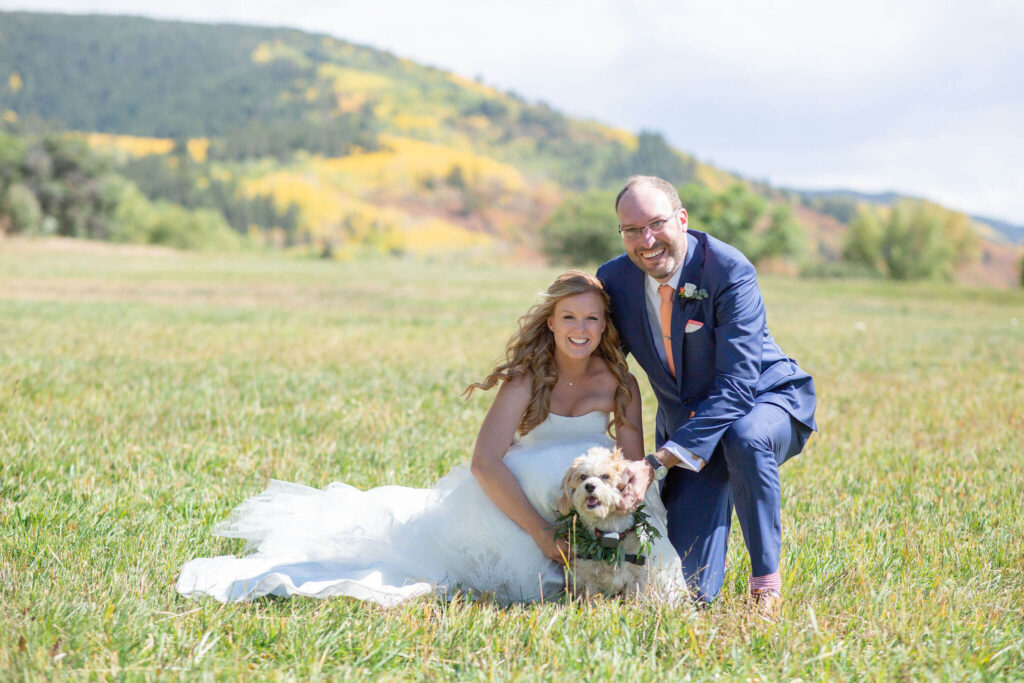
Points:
[659,467]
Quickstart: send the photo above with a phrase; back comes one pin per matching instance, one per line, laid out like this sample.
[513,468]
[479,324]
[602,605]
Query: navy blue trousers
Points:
[743,471]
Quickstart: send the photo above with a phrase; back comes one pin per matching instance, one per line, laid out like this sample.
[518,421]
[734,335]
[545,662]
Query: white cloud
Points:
[799,36]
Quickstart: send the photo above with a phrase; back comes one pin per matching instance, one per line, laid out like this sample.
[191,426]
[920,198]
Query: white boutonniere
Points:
[689,292]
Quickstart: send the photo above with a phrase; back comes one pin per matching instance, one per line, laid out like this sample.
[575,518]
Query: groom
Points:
[732,406]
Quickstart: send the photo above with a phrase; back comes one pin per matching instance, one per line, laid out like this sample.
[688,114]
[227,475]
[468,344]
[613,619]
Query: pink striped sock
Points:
[771,581]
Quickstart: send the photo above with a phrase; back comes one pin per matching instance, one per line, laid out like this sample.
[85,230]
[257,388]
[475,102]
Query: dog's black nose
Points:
[589,488]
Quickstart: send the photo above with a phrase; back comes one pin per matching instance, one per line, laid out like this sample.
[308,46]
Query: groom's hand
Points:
[633,484]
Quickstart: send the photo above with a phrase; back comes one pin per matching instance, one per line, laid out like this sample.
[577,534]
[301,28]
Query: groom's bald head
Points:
[654,182]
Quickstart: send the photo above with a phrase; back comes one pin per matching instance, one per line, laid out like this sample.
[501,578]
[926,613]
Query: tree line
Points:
[583,228]
[55,184]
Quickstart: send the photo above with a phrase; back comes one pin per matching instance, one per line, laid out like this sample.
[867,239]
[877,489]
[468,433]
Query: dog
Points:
[590,488]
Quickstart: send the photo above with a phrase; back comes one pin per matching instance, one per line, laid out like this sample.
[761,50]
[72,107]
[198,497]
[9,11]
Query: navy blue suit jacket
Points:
[723,368]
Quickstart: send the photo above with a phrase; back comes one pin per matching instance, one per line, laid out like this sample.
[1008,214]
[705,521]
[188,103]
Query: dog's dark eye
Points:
[605,476]
[582,477]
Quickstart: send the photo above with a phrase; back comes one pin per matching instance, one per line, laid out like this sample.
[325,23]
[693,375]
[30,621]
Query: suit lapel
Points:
[693,271]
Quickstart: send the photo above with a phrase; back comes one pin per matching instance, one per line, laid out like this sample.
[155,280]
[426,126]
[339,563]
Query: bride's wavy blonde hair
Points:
[532,350]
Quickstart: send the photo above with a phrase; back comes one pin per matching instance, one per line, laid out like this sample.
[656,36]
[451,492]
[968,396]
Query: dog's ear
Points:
[619,461]
[565,500]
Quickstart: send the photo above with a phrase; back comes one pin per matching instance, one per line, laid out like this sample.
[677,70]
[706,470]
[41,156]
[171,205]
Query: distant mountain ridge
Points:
[1011,232]
[1014,233]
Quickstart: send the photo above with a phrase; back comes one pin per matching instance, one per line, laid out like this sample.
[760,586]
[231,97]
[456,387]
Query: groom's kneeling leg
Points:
[753,447]
[699,514]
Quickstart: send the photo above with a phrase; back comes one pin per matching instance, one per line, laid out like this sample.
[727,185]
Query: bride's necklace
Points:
[576,380]
[572,384]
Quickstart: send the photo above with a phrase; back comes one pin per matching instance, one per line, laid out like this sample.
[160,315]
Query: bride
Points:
[564,388]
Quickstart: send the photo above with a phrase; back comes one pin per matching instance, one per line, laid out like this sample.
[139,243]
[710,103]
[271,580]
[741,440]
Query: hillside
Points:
[140,77]
[303,139]
[360,141]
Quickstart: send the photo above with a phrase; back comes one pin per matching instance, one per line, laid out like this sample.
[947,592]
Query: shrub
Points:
[783,237]
[863,243]
[22,207]
[138,220]
[583,229]
[916,241]
[175,226]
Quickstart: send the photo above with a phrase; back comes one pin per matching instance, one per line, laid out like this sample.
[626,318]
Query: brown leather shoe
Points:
[766,603]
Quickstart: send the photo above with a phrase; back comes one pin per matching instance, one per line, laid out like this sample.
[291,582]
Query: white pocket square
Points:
[693,326]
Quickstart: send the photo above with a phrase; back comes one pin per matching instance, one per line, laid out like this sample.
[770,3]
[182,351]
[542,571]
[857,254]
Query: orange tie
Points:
[665,291]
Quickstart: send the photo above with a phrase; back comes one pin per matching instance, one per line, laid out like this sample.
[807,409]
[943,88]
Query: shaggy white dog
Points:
[590,489]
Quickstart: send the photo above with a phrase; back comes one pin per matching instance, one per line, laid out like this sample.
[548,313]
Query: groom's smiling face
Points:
[656,252]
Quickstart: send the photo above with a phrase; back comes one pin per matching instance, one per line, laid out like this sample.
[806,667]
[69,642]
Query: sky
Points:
[922,97]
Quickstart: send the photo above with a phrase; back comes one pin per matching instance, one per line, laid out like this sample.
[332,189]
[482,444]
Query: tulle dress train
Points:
[393,543]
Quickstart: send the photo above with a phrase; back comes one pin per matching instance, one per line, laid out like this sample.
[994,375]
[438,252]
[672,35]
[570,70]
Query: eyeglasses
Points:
[656,227]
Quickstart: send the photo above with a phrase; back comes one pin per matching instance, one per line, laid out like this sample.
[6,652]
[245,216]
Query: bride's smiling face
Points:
[577,324]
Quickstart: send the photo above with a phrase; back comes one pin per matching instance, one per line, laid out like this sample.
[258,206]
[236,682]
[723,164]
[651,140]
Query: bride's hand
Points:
[556,550]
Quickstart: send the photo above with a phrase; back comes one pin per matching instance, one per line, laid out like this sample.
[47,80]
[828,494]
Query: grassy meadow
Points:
[146,392]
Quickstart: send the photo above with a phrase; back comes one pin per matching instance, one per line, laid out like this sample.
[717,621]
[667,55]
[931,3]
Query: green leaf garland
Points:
[588,546]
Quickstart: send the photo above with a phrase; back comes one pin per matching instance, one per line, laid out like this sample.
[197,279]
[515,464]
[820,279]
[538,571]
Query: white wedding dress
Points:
[393,543]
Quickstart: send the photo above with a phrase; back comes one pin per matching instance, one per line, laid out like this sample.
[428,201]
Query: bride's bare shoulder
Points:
[604,370]
[520,384]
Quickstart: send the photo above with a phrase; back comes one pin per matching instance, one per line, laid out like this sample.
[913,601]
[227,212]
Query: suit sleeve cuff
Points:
[686,458]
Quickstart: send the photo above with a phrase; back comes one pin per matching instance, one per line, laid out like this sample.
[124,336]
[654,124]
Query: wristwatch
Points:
[659,469]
